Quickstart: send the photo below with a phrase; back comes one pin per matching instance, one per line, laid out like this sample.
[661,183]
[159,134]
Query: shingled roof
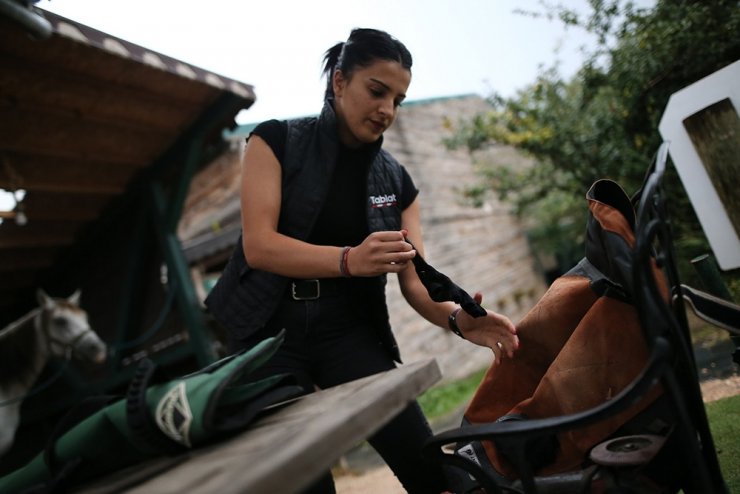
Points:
[83,117]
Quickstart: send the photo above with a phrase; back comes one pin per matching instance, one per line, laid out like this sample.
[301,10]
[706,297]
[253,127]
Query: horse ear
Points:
[43,299]
[74,299]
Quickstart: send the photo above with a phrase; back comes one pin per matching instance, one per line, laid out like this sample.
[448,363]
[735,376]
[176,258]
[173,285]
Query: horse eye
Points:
[61,322]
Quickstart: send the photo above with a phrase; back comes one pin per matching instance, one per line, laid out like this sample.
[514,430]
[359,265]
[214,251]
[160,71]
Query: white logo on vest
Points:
[383,201]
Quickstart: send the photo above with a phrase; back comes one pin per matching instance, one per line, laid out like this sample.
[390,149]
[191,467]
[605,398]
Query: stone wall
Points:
[481,249]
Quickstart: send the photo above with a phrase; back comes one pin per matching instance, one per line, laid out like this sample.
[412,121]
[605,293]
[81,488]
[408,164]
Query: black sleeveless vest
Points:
[244,299]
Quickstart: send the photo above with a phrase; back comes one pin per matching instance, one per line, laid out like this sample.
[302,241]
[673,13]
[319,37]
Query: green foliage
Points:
[603,123]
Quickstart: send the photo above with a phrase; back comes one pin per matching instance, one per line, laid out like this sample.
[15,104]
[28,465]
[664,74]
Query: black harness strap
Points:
[139,419]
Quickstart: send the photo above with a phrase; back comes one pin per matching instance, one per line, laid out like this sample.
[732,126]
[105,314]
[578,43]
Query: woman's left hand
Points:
[493,330]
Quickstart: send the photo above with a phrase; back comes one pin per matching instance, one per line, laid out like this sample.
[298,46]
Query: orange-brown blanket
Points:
[580,345]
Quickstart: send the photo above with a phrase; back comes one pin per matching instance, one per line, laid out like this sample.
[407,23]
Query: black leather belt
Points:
[315,289]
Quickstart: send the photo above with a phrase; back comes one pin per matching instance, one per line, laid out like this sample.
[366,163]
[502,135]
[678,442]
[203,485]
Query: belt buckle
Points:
[311,295]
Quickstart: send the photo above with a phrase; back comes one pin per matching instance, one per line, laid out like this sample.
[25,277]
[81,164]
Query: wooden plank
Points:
[62,234]
[57,174]
[285,451]
[64,207]
[74,136]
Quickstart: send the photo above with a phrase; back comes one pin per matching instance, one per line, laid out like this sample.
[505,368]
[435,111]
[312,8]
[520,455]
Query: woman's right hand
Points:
[380,253]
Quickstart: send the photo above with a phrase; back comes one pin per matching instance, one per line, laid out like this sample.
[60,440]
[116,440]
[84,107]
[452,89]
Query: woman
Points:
[326,213]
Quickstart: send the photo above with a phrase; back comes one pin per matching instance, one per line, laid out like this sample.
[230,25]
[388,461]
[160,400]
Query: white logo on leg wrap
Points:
[173,415]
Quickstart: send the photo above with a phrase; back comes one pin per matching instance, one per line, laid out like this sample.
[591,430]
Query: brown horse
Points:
[57,328]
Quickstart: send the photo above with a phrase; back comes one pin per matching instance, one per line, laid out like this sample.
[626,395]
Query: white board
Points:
[704,143]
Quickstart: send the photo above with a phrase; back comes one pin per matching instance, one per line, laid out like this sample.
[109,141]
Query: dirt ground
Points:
[375,478]
[374,481]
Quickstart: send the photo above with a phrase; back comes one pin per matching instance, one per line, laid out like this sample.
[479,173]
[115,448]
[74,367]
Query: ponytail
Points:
[331,59]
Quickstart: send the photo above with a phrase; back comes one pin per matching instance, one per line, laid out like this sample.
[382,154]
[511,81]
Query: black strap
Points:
[442,289]
[139,420]
[532,452]
[599,282]
[721,313]
[59,483]
[658,161]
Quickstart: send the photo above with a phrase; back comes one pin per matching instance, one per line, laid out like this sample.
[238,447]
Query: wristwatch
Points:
[452,322]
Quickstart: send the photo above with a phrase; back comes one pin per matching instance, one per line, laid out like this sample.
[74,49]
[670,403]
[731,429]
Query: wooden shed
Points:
[104,136]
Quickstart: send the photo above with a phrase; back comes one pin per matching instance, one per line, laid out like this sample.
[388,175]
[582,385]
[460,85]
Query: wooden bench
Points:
[288,448]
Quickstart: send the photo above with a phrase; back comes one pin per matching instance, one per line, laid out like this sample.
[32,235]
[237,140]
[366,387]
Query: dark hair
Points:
[362,48]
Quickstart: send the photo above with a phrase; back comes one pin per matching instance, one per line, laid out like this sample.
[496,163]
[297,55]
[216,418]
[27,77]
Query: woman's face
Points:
[367,103]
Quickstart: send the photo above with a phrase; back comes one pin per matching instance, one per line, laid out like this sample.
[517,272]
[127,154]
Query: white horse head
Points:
[67,330]
[57,328]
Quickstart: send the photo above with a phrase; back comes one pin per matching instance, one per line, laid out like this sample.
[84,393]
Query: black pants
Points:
[331,341]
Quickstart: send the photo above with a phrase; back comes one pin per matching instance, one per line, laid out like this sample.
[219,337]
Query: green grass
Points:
[724,421]
[723,416]
[441,400]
